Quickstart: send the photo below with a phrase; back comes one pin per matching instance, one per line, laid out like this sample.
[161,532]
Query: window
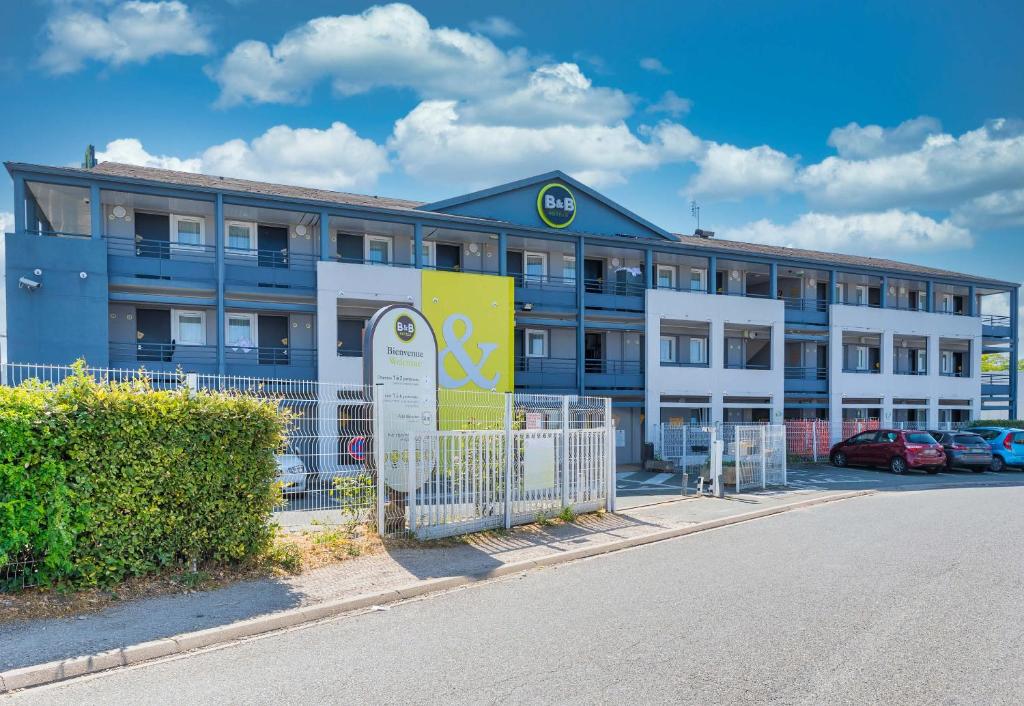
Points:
[668,349]
[187,231]
[569,268]
[862,357]
[920,438]
[241,331]
[240,236]
[666,277]
[536,266]
[841,292]
[428,254]
[188,328]
[378,250]
[946,362]
[922,301]
[699,350]
[698,280]
[864,438]
[922,361]
[861,294]
[947,304]
[536,343]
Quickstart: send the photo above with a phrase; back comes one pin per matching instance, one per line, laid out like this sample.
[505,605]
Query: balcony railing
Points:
[543,282]
[995,320]
[56,233]
[747,365]
[802,304]
[533,371]
[954,373]
[177,252]
[995,379]
[683,364]
[613,367]
[904,370]
[350,352]
[625,289]
[862,371]
[185,356]
[805,372]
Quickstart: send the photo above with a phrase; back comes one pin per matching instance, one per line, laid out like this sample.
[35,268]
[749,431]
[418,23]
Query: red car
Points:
[895,448]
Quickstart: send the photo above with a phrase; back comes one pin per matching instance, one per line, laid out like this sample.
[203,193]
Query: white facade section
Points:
[715,381]
[886,385]
[363,288]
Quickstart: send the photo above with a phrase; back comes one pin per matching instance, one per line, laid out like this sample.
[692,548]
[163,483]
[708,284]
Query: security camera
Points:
[29,284]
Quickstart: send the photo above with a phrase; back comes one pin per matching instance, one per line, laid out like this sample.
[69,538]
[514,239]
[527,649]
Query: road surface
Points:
[901,597]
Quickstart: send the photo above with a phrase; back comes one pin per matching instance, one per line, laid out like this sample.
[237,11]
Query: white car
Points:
[291,473]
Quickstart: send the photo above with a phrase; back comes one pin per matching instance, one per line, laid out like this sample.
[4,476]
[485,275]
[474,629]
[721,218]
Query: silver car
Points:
[291,473]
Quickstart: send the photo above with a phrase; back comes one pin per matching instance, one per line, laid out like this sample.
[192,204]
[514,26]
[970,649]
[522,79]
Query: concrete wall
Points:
[886,385]
[715,381]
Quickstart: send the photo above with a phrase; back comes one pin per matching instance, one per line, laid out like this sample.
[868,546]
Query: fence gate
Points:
[759,456]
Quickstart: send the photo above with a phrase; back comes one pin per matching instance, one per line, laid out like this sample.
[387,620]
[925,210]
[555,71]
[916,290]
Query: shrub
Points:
[1012,423]
[142,478]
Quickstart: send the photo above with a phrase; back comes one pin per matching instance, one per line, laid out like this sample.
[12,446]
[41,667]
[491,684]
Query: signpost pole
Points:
[565,451]
[508,460]
[378,459]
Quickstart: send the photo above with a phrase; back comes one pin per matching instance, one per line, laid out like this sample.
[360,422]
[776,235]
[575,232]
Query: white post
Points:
[378,460]
[814,440]
[509,410]
[411,485]
[565,451]
[764,457]
[715,448]
[685,469]
[609,426]
[785,461]
[736,454]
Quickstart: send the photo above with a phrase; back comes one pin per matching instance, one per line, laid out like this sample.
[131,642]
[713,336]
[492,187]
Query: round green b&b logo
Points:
[556,205]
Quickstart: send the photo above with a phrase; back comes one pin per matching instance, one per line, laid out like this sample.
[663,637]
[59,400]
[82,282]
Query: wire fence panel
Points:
[748,453]
[808,439]
[776,452]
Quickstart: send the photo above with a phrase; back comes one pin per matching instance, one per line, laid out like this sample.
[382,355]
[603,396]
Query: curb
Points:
[38,675]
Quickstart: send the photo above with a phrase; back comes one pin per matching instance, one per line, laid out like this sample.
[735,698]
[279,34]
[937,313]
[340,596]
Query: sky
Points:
[880,128]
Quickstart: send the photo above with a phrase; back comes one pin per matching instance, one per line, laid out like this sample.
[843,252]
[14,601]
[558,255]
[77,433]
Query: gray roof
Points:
[722,246]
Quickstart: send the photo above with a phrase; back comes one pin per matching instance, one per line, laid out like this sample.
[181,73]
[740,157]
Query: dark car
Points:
[895,449]
[964,450]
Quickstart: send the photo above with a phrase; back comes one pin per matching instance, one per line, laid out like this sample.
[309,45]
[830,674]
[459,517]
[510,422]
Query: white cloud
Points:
[6,222]
[433,141]
[1000,209]
[554,94]
[727,171]
[495,26]
[654,65]
[672,104]
[856,142]
[390,45]
[130,32]
[944,171]
[879,233]
[335,158]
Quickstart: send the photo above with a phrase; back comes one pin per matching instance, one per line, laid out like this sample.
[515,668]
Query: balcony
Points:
[996,326]
[746,365]
[270,268]
[861,371]
[805,311]
[545,373]
[908,370]
[627,296]
[613,374]
[262,362]
[545,290]
[161,259]
[806,379]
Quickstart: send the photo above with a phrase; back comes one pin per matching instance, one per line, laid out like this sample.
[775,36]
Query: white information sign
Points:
[538,463]
[400,361]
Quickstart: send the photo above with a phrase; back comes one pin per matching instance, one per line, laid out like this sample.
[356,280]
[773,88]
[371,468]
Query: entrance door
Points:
[350,247]
[448,257]
[627,436]
[822,362]
[272,243]
[593,275]
[153,236]
[273,340]
[514,265]
[734,352]
[593,352]
[822,291]
[153,333]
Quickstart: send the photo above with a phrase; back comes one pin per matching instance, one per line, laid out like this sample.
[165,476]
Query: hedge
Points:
[102,481]
[1012,423]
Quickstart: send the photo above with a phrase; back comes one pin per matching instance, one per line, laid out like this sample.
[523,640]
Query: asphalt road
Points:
[902,597]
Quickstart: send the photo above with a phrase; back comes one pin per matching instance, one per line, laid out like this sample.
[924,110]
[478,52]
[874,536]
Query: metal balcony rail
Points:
[270,355]
[802,372]
[995,378]
[600,286]
[747,365]
[905,370]
[867,371]
[280,259]
[160,249]
[613,367]
[532,364]
[367,261]
[543,282]
[55,233]
[995,320]
[954,373]
[185,355]
[684,364]
[350,352]
[803,304]
[683,287]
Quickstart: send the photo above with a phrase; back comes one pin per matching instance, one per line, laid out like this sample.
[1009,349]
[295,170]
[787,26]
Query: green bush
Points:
[1012,423]
[120,480]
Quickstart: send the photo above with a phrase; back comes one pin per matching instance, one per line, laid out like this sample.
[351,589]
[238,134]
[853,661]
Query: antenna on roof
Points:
[695,212]
[90,158]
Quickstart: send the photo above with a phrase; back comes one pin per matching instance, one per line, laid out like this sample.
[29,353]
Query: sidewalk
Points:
[38,641]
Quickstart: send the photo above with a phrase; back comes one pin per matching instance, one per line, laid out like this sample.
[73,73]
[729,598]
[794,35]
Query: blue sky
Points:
[892,129]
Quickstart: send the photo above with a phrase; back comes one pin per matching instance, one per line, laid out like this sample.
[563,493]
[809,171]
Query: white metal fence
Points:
[753,455]
[811,439]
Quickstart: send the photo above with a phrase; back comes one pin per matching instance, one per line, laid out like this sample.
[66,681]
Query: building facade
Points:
[129,266]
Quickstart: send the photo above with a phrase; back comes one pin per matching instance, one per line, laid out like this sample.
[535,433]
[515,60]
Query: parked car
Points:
[896,449]
[1007,445]
[964,449]
[291,473]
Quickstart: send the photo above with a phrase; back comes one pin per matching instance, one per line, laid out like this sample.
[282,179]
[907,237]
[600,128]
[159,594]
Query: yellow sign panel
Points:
[474,320]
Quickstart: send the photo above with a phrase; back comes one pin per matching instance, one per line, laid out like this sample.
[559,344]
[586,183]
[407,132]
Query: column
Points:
[1014,352]
[773,281]
[883,295]
[502,253]
[580,313]
[972,301]
[417,245]
[95,211]
[19,203]
[648,269]
[712,268]
[833,279]
[218,219]
[325,236]
[930,304]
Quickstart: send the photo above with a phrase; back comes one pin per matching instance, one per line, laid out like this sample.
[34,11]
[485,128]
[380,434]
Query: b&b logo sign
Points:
[556,205]
[405,329]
